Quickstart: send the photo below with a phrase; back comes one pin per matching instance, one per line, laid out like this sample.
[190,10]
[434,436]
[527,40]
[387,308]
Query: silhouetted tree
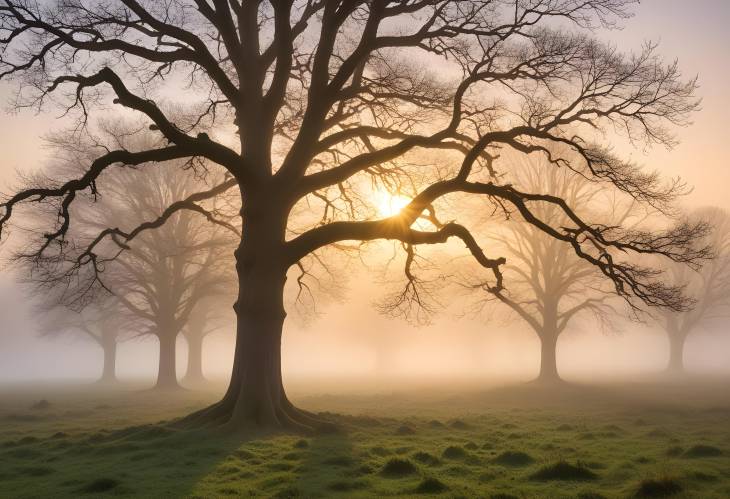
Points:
[330,99]
[549,284]
[710,287]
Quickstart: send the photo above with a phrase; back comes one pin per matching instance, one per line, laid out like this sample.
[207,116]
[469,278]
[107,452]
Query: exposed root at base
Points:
[287,417]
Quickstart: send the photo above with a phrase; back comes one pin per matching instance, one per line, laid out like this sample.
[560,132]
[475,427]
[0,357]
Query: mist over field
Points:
[359,249]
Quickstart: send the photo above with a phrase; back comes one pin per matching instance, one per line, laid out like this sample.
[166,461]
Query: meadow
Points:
[528,441]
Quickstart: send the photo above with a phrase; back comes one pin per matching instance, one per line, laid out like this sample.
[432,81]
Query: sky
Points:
[695,32]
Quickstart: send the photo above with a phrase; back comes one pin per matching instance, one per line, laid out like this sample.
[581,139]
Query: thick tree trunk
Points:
[109,371]
[548,358]
[167,372]
[255,395]
[194,371]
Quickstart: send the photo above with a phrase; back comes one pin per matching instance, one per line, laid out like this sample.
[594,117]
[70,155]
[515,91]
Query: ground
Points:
[530,441]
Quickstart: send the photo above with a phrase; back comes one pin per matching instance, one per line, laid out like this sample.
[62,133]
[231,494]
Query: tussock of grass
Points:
[426,458]
[487,477]
[563,471]
[379,451]
[564,427]
[301,444]
[454,452]
[514,458]
[243,454]
[675,451]
[101,485]
[659,487]
[502,495]
[702,450]
[431,486]
[405,430]
[364,469]
[398,467]
[458,424]
[41,405]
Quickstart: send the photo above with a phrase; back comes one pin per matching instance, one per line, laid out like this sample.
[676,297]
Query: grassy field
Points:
[523,442]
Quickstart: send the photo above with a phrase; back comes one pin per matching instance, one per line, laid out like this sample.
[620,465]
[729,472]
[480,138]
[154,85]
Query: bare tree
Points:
[549,284]
[104,322]
[330,99]
[209,317]
[710,288]
[165,274]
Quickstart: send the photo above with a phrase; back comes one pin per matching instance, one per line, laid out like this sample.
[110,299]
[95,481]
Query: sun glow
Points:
[389,204]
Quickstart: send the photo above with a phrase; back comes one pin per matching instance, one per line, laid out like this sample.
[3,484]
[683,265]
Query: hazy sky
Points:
[695,32]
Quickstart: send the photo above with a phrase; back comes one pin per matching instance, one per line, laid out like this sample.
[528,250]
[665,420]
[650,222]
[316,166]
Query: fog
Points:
[344,340]
[333,353]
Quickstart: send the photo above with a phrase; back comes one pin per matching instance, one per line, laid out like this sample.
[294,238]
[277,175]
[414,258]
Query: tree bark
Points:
[109,374]
[194,370]
[256,395]
[167,372]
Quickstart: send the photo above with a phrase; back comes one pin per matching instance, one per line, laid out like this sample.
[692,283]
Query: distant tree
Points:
[710,287]
[158,281]
[313,104]
[165,274]
[103,322]
[549,284]
[207,318]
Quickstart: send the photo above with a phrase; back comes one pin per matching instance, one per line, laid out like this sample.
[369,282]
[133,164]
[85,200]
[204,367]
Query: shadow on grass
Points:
[148,461]
[330,467]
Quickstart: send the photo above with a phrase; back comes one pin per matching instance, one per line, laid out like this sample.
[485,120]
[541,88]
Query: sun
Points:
[388,204]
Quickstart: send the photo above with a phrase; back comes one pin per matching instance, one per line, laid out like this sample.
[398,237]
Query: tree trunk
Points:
[167,373]
[255,395]
[109,374]
[194,371]
[548,358]
[676,352]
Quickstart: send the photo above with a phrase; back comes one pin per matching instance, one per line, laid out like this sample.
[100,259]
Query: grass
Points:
[86,443]
[563,471]
[659,487]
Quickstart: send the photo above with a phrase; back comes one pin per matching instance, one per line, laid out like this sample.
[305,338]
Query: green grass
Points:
[515,443]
